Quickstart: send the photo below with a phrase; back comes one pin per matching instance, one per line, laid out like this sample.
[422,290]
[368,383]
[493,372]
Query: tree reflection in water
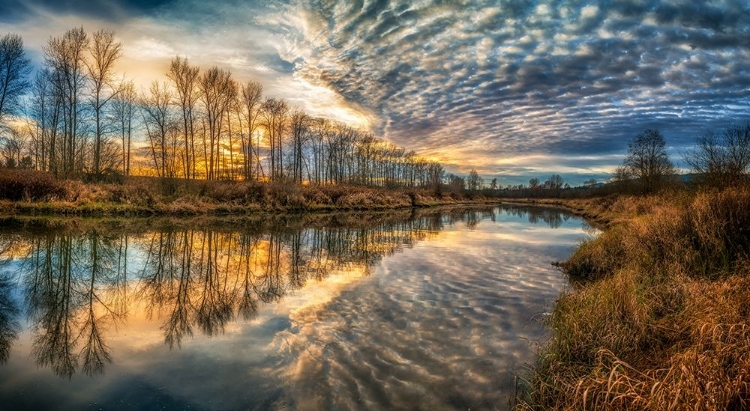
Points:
[9,325]
[75,288]
[552,217]
[77,284]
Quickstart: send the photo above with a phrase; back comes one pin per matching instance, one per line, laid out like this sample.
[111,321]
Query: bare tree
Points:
[722,159]
[252,93]
[319,130]
[648,161]
[12,147]
[474,181]
[185,79]
[218,92]
[456,184]
[436,172]
[44,119]
[299,124]
[555,182]
[104,52]
[158,121]
[65,59]
[124,109]
[14,68]
[275,116]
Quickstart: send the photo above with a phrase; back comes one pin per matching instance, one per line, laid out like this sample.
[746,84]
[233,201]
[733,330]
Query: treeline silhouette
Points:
[82,117]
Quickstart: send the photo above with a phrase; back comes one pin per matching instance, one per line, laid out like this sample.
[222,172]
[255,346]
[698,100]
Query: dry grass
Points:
[29,192]
[662,319]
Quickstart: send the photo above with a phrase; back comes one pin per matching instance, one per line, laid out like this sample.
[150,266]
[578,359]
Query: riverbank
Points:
[659,313]
[257,222]
[32,193]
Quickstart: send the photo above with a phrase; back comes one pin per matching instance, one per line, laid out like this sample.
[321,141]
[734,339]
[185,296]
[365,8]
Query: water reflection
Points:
[75,289]
[76,285]
[9,325]
[554,218]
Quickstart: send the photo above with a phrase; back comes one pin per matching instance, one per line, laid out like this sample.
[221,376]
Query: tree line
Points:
[77,115]
[718,159]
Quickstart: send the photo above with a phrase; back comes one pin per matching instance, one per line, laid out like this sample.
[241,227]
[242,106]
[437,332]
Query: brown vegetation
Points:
[660,318]
[33,192]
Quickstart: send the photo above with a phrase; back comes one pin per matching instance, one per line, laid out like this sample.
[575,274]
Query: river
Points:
[424,309]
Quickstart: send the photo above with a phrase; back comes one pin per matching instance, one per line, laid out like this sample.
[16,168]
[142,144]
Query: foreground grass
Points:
[29,192]
[659,315]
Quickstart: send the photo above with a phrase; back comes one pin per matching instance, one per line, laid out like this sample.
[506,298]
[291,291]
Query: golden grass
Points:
[660,316]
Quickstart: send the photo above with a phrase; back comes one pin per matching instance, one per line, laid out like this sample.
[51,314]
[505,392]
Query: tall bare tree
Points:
[474,181]
[14,68]
[65,59]
[44,116]
[124,109]
[104,53]
[275,119]
[299,125]
[159,123]
[185,79]
[252,93]
[722,159]
[218,92]
[319,130]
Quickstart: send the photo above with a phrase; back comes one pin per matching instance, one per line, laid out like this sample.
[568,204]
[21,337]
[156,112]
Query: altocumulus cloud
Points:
[522,87]
[512,88]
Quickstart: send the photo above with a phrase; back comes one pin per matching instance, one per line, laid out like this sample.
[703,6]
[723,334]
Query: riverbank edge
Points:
[657,314]
[182,209]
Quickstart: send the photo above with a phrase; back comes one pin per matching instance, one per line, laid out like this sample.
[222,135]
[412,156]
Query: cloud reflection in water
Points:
[446,325]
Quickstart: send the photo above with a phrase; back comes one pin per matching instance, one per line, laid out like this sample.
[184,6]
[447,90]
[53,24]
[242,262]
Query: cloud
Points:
[112,10]
[472,81]
[555,80]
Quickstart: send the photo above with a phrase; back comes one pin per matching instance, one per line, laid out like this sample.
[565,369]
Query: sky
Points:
[514,89]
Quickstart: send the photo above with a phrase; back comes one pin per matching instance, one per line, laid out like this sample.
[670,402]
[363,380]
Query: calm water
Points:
[404,310]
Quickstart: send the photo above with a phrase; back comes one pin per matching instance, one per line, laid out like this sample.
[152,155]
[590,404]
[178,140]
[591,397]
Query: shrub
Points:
[17,185]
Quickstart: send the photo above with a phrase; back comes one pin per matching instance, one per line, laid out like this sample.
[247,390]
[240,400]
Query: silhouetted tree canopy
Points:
[722,159]
[647,160]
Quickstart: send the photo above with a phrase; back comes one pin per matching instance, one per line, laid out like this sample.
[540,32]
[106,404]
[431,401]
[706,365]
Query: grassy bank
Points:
[659,314]
[28,192]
